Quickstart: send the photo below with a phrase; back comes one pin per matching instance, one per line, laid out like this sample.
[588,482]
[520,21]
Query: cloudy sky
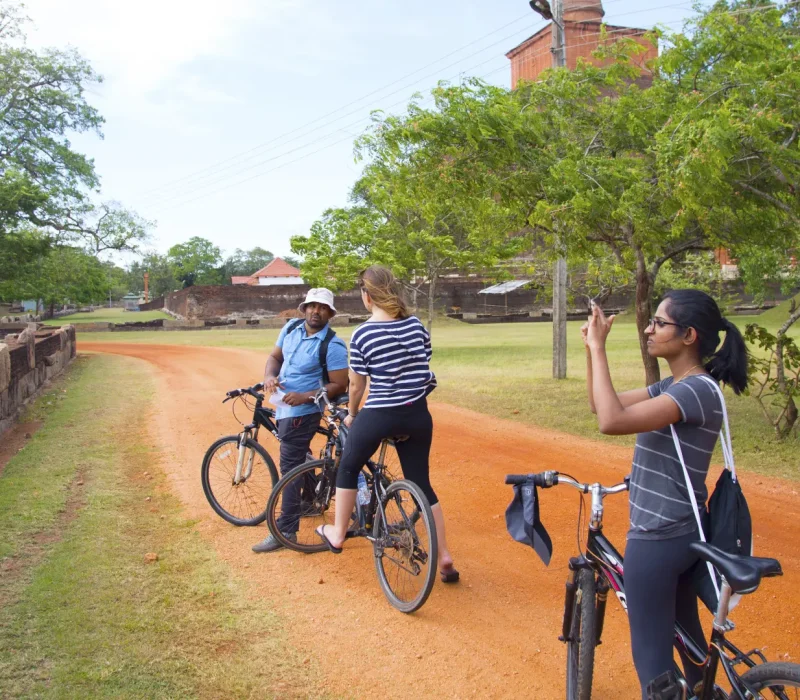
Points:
[235,120]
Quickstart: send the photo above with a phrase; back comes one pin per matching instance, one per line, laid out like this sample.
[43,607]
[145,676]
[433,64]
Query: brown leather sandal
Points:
[451,575]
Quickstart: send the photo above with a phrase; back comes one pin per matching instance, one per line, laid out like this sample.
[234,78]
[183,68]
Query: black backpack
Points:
[727,523]
[323,346]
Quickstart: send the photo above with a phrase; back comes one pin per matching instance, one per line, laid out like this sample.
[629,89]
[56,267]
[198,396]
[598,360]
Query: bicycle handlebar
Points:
[549,479]
[251,391]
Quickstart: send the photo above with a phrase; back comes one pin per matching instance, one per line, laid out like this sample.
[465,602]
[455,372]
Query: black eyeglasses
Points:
[660,323]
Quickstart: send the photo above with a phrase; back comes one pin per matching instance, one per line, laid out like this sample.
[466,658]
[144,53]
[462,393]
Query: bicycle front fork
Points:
[244,465]
[571,586]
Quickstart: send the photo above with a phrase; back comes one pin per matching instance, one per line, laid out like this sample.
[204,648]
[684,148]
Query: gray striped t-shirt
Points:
[660,507]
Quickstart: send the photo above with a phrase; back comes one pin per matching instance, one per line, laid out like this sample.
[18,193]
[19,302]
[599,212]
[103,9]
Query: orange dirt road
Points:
[494,634]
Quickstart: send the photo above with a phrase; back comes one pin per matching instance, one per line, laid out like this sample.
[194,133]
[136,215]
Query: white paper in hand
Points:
[276,399]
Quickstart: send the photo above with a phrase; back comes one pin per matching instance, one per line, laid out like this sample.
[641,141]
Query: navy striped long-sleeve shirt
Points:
[396,356]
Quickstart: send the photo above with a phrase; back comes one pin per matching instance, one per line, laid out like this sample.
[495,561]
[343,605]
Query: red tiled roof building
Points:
[277,272]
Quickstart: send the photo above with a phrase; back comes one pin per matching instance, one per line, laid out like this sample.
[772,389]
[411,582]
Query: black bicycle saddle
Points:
[742,573]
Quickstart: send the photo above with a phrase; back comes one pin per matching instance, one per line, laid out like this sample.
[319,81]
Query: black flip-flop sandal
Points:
[334,550]
[450,576]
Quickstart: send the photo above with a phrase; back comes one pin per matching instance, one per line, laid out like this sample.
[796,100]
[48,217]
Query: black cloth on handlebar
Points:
[522,521]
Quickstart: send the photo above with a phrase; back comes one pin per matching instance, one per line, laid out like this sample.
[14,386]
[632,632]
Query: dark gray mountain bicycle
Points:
[601,568]
[237,472]
[393,514]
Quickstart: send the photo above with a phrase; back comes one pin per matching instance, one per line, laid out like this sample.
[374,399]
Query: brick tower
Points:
[582,22]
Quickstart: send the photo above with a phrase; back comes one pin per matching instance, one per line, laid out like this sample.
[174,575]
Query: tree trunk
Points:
[431,300]
[560,319]
[790,415]
[644,290]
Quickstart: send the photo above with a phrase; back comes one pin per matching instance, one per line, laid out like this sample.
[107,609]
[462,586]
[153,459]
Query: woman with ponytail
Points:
[392,350]
[685,332]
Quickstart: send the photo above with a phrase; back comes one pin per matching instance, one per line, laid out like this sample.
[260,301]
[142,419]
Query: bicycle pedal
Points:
[667,686]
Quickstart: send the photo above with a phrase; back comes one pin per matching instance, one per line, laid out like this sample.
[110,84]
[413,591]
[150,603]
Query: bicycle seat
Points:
[341,400]
[742,573]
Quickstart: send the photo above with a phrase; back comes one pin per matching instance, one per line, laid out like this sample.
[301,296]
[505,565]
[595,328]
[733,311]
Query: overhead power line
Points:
[204,195]
[166,191]
[325,116]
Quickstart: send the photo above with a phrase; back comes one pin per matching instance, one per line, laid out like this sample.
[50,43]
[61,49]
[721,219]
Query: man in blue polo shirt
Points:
[294,366]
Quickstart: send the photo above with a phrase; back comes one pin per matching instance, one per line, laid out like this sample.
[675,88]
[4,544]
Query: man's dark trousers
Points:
[296,434]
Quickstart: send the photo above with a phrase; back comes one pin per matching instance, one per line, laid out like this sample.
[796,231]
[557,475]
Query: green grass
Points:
[81,613]
[106,315]
[505,370]
[777,315]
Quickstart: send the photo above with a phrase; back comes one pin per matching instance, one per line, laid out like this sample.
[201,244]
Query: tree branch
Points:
[769,198]
[694,244]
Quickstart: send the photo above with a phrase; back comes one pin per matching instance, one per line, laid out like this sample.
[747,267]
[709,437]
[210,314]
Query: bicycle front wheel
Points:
[241,502]
[405,546]
[581,642]
[301,501]
[774,680]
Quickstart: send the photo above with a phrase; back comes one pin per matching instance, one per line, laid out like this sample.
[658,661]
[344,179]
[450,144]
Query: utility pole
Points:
[559,51]
[554,11]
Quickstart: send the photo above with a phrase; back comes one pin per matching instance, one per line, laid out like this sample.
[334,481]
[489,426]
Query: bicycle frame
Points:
[264,417]
[261,417]
[608,563]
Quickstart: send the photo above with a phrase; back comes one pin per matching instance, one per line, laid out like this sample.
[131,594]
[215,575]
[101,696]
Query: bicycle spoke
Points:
[402,547]
[248,498]
[301,504]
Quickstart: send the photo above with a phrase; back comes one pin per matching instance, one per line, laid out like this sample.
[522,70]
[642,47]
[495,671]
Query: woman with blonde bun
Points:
[392,350]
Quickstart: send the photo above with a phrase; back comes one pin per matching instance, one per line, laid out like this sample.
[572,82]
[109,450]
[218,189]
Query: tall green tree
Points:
[245,262]
[161,278]
[421,207]
[61,274]
[44,182]
[705,157]
[196,262]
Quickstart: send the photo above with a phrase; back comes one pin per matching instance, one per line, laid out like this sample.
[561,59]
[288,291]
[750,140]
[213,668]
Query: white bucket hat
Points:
[320,295]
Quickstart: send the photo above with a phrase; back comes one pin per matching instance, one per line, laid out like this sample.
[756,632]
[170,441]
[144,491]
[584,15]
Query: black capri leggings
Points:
[659,591]
[373,425]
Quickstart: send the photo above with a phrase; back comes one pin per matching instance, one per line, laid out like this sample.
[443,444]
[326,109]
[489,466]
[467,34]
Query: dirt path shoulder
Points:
[493,635]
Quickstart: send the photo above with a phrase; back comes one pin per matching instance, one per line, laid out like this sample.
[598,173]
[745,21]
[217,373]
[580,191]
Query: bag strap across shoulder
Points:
[725,433]
[727,454]
[693,498]
[323,346]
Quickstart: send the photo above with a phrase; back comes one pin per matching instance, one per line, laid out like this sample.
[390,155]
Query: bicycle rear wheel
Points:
[774,680]
[242,503]
[405,546]
[582,639]
[302,500]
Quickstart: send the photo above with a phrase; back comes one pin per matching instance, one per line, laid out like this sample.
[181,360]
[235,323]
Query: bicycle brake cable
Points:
[233,410]
[581,505]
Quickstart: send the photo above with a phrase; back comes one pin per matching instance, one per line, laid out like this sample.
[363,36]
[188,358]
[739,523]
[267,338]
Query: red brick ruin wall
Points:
[210,302]
[28,360]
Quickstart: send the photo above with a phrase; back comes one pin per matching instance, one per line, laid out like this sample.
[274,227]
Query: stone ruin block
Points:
[5,367]
[28,338]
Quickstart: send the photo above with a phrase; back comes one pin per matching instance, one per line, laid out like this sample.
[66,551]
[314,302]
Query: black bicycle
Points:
[393,514]
[600,569]
[237,473]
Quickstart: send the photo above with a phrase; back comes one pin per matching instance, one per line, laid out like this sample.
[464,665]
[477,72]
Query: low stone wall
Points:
[453,294]
[154,305]
[167,324]
[212,301]
[28,360]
